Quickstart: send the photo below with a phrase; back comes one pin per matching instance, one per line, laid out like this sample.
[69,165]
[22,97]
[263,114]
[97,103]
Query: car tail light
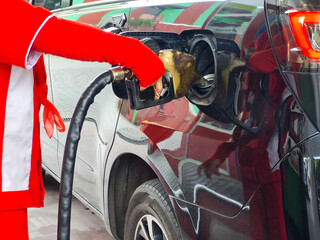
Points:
[294,30]
[306,28]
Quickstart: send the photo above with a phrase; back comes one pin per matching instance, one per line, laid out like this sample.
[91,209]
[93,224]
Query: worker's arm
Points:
[82,42]
[19,23]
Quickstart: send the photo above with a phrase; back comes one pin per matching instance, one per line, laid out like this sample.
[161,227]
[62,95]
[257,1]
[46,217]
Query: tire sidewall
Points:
[145,202]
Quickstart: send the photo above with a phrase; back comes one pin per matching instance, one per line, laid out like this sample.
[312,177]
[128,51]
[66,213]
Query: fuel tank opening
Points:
[203,49]
[211,92]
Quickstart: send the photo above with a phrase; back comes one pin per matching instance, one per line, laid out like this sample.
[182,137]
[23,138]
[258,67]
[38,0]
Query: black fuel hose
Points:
[70,151]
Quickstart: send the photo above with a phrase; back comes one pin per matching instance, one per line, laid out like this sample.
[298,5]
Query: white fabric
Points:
[17,141]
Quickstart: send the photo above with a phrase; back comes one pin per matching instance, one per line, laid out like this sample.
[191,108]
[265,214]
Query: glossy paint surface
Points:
[222,170]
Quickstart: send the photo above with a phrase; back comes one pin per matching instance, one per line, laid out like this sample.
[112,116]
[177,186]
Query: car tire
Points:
[150,213]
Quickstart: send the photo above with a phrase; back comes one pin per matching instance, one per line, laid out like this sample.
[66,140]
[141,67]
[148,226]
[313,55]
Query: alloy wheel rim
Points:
[149,228]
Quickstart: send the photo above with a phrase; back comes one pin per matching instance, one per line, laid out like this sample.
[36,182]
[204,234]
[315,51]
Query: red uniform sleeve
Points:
[82,42]
[20,22]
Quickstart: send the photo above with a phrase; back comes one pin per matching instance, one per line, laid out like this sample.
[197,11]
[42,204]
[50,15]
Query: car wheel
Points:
[150,214]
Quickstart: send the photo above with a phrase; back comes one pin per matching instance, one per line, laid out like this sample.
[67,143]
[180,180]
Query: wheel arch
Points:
[125,177]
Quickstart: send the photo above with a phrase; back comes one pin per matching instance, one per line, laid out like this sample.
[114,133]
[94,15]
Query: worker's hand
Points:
[157,86]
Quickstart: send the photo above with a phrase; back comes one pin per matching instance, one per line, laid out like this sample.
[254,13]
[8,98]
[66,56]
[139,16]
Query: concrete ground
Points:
[43,222]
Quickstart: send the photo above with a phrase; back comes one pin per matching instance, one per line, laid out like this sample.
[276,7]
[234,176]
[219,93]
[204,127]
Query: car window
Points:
[48,4]
[76,2]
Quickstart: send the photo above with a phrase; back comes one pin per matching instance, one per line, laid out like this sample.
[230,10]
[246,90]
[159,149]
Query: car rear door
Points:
[69,79]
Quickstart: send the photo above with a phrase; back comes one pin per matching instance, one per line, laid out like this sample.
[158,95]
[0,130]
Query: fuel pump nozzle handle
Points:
[180,76]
